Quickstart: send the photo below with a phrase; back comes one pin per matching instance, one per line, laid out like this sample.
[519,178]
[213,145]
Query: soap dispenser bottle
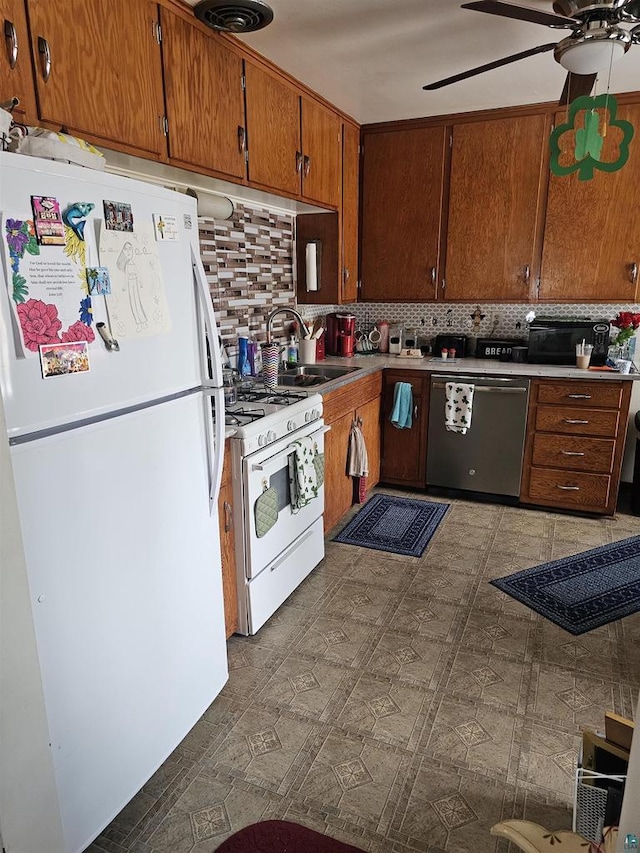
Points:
[292,351]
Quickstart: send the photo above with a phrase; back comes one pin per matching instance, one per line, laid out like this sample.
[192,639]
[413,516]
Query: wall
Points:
[249,265]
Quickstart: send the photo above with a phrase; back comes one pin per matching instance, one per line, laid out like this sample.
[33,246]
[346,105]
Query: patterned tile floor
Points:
[399,704]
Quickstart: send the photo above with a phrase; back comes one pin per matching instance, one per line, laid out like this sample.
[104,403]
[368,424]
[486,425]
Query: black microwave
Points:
[553,341]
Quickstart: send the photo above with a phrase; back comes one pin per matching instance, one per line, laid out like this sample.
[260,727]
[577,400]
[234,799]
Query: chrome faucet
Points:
[276,311]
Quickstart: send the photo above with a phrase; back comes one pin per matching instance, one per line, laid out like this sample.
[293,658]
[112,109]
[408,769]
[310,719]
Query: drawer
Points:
[577,421]
[574,452]
[226,469]
[569,488]
[591,394]
[348,397]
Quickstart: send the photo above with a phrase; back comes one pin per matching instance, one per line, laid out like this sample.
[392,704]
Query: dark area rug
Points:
[582,592]
[281,836]
[397,525]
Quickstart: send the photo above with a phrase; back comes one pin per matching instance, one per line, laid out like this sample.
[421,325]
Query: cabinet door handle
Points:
[45,57]
[579,396]
[569,488]
[307,165]
[433,276]
[526,274]
[572,453]
[633,273]
[298,161]
[228,517]
[242,139]
[574,421]
[415,412]
[12,43]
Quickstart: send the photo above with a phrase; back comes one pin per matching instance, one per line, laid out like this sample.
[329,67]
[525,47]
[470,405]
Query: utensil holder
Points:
[307,351]
[270,364]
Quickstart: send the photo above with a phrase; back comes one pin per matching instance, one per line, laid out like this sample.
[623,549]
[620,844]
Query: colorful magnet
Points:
[47,220]
[187,221]
[61,359]
[165,227]
[118,216]
[99,281]
[75,217]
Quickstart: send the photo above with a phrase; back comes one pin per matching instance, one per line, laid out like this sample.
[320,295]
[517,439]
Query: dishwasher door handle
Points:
[488,389]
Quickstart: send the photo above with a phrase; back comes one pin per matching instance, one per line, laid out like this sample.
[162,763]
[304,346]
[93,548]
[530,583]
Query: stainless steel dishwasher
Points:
[488,458]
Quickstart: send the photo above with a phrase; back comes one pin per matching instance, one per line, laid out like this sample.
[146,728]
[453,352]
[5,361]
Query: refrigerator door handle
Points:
[206,306]
[215,429]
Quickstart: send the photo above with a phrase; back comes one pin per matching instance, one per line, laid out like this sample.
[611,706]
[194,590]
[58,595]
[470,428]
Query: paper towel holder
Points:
[313,265]
[211,204]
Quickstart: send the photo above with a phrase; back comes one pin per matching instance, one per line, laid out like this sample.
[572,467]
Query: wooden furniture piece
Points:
[402,194]
[348,288]
[591,237]
[404,451]
[495,195]
[576,432]
[357,399]
[532,838]
[205,110]
[15,63]
[227,545]
[98,71]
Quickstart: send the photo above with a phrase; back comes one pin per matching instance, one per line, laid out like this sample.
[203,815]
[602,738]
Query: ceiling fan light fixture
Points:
[592,51]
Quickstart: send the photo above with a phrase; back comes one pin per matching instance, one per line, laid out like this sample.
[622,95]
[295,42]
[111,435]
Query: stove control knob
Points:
[271,436]
[291,425]
[262,440]
[315,414]
[307,417]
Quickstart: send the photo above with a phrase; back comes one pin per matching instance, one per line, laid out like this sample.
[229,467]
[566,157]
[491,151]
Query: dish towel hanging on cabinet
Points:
[358,461]
[458,406]
[401,414]
[302,473]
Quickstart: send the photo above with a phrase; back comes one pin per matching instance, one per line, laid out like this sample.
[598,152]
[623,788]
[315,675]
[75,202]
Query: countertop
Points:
[467,366]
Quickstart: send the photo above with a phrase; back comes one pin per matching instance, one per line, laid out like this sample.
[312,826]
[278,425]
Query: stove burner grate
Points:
[238,417]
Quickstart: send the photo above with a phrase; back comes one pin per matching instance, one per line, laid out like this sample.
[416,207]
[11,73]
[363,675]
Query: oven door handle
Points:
[275,461]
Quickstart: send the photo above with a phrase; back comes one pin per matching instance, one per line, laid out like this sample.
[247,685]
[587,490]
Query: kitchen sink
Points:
[310,375]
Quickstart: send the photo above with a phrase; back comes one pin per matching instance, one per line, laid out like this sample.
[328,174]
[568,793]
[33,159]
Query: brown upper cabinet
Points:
[205,109]
[592,233]
[402,195]
[98,70]
[494,209]
[293,141]
[16,80]
[350,197]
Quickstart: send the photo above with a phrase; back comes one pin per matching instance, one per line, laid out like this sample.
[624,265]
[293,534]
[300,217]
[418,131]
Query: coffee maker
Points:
[341,334]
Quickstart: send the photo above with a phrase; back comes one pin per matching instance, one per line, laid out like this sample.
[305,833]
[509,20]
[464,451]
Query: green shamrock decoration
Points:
[589,140]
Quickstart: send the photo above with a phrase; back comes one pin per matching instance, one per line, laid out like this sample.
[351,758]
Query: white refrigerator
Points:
[116,472]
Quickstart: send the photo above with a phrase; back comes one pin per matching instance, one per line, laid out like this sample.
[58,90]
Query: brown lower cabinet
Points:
[227,546]
[359,399]
[576,432]
[404,451]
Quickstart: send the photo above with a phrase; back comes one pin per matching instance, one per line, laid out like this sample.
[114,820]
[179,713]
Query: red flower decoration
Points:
[78,332]
[39,323]
[626,320]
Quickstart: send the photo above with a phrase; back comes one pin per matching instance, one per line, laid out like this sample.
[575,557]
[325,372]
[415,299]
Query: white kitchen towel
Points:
[458,406]
[302,474]
[358,462]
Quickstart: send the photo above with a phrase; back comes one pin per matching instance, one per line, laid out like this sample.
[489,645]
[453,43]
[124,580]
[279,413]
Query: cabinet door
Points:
[228,556]
[369,415]
[592,232]
[401,214]
[105,75]
[338,487]
[321,152]
[273,131]
[350,194]
[16,80]
[404,451]
[205,109]
[494,207]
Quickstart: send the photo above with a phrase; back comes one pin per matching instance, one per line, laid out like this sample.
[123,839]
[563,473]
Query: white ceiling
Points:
[372,57]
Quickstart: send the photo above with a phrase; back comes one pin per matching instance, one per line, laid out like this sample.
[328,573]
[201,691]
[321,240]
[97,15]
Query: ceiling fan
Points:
[596,38]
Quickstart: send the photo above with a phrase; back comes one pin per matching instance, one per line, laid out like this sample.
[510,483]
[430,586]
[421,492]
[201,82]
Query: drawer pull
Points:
[579,396]
[572,453]
[569,488]
[574,421]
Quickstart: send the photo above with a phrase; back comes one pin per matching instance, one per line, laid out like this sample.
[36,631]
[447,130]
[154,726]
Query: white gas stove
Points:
[272,563]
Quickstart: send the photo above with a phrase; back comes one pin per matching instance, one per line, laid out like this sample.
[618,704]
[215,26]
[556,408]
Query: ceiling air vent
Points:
[243,16]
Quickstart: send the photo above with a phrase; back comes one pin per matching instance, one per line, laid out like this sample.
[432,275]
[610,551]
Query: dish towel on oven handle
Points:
[302,473]
[458,406]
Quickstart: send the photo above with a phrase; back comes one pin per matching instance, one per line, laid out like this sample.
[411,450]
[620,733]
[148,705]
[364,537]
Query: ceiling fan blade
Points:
[576,85]
[489,66]
[521,13]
